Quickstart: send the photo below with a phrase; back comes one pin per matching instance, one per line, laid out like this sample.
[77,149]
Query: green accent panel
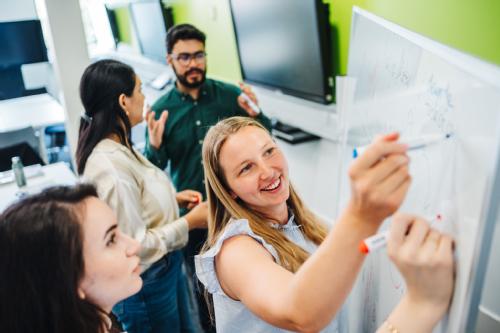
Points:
[213,17]
[470,26]
[124,25]
[340,20]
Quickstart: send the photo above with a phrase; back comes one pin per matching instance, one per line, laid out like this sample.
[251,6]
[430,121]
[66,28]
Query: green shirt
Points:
[187,124]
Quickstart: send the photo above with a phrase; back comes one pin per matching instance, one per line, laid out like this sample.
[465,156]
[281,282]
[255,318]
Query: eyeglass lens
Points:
[185,58]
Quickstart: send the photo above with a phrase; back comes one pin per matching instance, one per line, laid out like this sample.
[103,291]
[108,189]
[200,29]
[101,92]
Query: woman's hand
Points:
[156,128]
[379,180]
[424,257]
[198,216]
[188,198]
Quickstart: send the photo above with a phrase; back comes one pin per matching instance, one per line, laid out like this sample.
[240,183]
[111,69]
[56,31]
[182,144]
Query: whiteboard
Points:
[490,300]
[411,84]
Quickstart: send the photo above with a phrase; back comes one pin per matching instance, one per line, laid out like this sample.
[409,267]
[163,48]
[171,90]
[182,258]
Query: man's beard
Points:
[183,78]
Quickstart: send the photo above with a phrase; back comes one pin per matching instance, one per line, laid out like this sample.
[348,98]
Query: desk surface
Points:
[38,111]
[53,174]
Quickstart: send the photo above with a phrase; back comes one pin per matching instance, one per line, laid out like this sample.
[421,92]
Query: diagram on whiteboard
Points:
[411,85]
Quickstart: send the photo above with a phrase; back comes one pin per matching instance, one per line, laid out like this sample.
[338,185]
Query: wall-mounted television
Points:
[21,42]
[285,45]
[151,22]
[113,24]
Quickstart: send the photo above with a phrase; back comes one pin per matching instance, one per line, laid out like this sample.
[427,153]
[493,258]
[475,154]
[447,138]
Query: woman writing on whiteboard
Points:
[269,263]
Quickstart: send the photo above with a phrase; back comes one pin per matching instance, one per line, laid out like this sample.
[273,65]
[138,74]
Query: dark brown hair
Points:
[41,264]
[183,32]
[100,87]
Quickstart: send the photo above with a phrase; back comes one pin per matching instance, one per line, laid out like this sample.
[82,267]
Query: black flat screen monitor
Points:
[113,24]
[21,42]
[285,45]
[151,28]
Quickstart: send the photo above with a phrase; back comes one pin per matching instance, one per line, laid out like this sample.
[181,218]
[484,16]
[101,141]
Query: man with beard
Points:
[194,104]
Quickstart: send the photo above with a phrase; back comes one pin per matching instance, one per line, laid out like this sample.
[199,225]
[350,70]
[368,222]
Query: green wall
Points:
[214,18]
[470,26]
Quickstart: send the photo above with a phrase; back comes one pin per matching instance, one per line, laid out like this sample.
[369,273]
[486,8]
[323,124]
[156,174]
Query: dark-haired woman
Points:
[63,263]
[142,196]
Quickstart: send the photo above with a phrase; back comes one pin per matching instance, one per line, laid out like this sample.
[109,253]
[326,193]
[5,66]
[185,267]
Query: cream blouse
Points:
[142,197]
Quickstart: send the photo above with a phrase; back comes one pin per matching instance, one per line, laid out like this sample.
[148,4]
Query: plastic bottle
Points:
[17,168]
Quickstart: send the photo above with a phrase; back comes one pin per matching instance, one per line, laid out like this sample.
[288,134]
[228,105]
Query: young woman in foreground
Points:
[270,264]
[64,263]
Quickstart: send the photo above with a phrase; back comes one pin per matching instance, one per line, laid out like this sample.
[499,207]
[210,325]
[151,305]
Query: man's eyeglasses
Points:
[185,58]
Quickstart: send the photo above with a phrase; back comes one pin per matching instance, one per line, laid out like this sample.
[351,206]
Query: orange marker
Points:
[374,242]
[379,240]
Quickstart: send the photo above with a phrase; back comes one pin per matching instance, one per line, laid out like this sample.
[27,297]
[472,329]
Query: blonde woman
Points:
[269,263]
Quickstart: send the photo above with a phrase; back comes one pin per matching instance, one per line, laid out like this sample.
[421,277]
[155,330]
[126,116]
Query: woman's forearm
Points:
[410,317]
[321,285]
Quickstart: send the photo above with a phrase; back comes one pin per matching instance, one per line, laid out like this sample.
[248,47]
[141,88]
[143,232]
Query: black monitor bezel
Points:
[113,24]
[324,35]
[42,45]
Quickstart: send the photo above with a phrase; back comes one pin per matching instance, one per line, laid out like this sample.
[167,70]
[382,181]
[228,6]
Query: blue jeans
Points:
[162,305]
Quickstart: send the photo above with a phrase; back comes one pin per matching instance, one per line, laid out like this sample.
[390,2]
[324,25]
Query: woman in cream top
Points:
[142,196]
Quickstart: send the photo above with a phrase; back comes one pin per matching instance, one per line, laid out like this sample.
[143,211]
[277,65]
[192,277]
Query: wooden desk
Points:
[53,174]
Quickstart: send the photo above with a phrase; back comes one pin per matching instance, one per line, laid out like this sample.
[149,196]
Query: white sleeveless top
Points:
[233,316]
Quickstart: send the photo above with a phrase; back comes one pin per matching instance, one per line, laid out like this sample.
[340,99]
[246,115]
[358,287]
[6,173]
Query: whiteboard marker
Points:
[250,103]
[379,240]
[413,144]
[374,242]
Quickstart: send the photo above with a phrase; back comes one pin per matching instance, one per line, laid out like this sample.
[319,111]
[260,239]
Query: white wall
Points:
[490,301]
[66,39]
[314,171]
[17,10]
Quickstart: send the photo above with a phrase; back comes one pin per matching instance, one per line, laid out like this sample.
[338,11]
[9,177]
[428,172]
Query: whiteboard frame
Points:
[490,73]
[482,250]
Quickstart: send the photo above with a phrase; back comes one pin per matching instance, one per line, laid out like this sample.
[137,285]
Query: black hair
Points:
[42,263]
[100,87]
[183,32]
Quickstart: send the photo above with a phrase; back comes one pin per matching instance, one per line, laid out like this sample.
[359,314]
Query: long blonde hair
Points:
[223,207]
